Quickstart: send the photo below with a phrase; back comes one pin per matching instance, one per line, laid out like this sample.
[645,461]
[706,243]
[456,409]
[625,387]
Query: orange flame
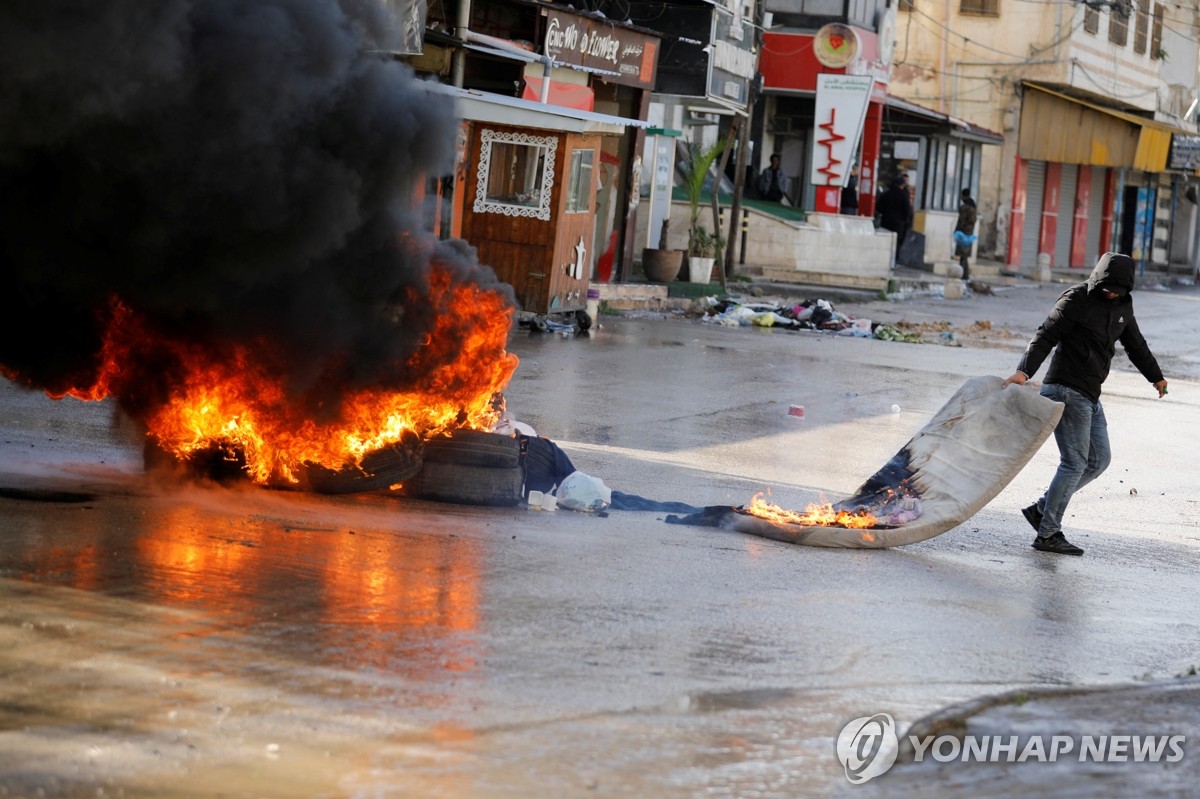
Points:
[815,515]
[237,398]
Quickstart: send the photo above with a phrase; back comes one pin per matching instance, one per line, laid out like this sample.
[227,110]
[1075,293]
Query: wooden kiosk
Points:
[529,208]
[526,194]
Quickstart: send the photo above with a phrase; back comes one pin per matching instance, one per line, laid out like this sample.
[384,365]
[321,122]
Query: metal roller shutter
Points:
[1035,187]
[1095,215]
[1066,216]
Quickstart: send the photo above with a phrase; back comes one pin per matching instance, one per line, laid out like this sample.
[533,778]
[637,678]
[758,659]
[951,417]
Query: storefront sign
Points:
[887,37]
[1185,152]
[835,45]
[732,63]
[841,109]
[629,56]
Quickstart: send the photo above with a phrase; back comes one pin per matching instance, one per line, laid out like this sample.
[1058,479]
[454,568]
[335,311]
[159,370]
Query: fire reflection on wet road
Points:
[322,592]
[200,633]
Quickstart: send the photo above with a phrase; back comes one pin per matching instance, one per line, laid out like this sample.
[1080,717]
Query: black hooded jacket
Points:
[1085,326]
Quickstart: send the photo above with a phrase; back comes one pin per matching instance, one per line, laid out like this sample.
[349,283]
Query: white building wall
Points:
[1098,66]
[1178,71]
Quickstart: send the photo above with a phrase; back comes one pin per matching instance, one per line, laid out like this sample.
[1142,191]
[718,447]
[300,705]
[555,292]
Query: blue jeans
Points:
[1082,437]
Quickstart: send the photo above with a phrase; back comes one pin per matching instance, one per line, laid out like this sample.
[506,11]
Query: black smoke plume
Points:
[232,170]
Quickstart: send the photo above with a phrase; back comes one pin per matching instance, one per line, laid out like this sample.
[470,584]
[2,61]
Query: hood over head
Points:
[1114,272]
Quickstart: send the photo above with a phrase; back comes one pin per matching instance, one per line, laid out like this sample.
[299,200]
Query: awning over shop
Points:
[501,109]
[1059,128]
[926,120]
[514,54]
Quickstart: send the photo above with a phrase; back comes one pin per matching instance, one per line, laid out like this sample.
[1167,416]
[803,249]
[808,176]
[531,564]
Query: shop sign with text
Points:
[619,54]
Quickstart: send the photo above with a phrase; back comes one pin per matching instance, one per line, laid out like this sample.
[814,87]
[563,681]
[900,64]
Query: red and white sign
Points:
[835,45]
[788,61]
[841,109]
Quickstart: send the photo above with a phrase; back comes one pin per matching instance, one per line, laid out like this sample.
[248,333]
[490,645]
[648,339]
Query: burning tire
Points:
[474,448]
[221,463]
[468,485]
[471,467]
[384,467]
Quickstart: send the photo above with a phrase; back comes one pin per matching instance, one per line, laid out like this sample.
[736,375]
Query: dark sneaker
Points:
[1057,544]
[1033,516]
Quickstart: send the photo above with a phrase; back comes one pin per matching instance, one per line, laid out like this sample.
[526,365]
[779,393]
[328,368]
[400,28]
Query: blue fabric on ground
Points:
[623,501]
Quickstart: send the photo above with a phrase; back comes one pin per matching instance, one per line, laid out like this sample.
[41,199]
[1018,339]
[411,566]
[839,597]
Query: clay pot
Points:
[661,266]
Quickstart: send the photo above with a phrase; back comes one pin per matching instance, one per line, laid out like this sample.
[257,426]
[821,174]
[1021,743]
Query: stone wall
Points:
[828,249]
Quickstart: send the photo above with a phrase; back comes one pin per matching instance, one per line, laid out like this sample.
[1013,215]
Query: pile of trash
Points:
[816,314]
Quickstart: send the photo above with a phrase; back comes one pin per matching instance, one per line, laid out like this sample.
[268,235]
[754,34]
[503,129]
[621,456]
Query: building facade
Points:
[1096,104]
[553,103]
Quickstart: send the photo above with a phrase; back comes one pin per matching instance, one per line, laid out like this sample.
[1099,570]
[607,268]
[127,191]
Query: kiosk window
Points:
[579,184]
[516,174]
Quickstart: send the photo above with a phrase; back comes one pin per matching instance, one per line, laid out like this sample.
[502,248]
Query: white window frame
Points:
[548,145]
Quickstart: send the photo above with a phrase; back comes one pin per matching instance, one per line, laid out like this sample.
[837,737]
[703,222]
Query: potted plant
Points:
[662,265]
[703,247]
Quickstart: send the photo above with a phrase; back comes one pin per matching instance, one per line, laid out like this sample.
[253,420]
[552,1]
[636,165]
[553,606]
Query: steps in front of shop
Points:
[750,284]
[681,296]
[675,297]
[978,268]
[638,297]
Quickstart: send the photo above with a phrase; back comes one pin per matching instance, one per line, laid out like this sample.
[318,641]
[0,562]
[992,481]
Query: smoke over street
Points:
[225,177]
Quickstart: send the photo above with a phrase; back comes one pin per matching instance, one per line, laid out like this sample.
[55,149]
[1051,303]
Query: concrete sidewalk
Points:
[907,283]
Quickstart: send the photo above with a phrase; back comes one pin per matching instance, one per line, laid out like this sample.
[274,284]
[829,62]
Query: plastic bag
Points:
[583,492]
[507,425]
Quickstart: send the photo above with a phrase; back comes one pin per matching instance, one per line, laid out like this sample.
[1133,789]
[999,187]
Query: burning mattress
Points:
[966,454]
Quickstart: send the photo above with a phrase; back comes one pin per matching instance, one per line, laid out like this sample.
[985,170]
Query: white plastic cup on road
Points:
[535,499]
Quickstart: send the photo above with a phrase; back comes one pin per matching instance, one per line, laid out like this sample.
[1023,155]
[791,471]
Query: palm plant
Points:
[700,161]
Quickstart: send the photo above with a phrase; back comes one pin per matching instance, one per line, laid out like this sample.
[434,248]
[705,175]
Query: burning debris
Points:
[893,508]
[824,515]
[965,455]
[207,215]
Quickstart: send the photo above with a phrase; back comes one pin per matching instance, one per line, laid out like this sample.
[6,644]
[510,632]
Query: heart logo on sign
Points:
[836,42]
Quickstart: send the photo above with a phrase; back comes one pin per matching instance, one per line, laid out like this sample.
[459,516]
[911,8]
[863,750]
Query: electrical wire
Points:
[967,40]
[1108,90]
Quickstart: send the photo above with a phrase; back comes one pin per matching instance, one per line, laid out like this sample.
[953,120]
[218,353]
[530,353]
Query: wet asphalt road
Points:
[166,640]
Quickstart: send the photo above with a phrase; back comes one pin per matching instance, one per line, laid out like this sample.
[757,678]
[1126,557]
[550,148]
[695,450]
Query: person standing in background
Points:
[896,210]
[772,183]
[964,232]
[849,203]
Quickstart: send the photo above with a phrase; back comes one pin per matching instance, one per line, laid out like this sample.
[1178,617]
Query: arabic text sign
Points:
[837,125]
[584,42]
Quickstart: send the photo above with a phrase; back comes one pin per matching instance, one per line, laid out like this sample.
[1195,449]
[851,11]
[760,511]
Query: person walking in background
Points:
[772,183]
[849,201]
[1082,329]
[964,232]
[896,210]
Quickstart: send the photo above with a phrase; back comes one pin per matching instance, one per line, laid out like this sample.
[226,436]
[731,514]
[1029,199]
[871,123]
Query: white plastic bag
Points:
[583,492]
[507,425]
